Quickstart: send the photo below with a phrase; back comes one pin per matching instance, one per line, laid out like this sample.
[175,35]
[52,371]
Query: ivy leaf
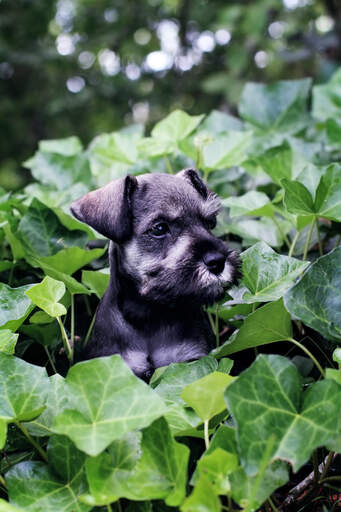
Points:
[226,151]
[316,298]
[7,507]
[203,498]
[68,146]
[47,294]
[281,106]
[219,122]
[36,486]
[277,162]
[96,280]
[15,306]
[176,126]
[206,395]
[71,259]
[326,98]
[43,234]
[107,401]
[8,340]
[217,465]
[151,466]
[269,393]
[328,194]
[23,387]
[297,198]
[267,324]
[268,275]
[251,231]
[151,147]
[251,203]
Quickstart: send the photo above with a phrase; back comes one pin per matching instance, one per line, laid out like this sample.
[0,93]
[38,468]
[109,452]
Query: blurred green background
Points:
[81,67]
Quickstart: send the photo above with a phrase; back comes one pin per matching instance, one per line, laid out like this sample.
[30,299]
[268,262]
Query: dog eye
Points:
[160,229]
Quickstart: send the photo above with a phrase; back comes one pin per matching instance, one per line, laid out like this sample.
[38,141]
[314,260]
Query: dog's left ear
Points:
[108,209]
[193,177]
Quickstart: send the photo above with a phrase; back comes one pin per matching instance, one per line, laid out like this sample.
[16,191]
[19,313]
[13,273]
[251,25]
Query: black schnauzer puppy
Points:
[165,265]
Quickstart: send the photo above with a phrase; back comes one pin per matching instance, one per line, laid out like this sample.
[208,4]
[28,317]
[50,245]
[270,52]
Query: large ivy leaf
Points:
[42,233]
[251,203]
[226,151]
[328,194]
[206,395]
[268,275]
[267,324]
[68,146]
[15,306]
[277,162]
[47,294]
[57,169]
[140,467]
[219,122]
[176,126]
[316,298]
[38,487]
[23,388]
[203,497]
[266,400]
[327,98]
[265,229]
[96,280]
[107,401]
[297,198]
[281,106]
[7,507]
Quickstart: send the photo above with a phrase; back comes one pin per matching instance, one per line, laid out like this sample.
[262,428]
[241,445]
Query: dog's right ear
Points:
[108,209]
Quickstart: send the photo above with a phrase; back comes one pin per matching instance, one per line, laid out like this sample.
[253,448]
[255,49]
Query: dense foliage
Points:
[79,67]
[202,436]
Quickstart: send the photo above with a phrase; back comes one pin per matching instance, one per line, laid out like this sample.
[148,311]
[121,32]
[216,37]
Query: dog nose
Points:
[215,262]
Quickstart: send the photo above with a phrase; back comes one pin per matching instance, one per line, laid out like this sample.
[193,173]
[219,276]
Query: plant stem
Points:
[319,238]
[87,305]
[216,326]
[316,466]
[293,243]
[207,439]
[67,347]
[168,165]
[2,481]
[330,479]
[50,359]
[11,274]
[272,505]
[307,242]
[309,354]
[72,319]
[32,441]
[109,509]
[88,334]
[119,506]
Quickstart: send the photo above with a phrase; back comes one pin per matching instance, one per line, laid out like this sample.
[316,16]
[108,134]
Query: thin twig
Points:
[293,243]
[307,243]
[88,334]
[207,439]
[32,441]
[309,354]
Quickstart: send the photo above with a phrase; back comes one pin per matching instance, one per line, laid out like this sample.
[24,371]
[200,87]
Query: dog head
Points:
[162,224]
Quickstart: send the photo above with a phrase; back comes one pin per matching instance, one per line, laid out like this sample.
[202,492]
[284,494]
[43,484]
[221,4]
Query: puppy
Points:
[164,266]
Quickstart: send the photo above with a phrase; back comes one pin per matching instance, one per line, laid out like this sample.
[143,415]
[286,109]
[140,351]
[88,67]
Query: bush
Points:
[205,434]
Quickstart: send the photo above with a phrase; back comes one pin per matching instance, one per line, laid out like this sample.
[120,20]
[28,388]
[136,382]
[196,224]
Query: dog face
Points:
[162,224]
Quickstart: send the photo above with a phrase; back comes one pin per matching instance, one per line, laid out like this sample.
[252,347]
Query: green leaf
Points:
[267,324]
[277,162]
[217,465]
[97,280]
[7,507]
[226,151]
[219,122]
[15,306]
[316,298]
[58,169]
[107,401]
[42,233]
[266,400]
[57,401]
[176,126]
[251,203]
[170,385]
[36,486]
[281,106]
[328,194]
[297,198]
[151,466]
[40,317]
[333,128]
[69,146]
[203,498]
[268,275]
[327,98]
[150,147]
[23,387]
[8,340]
[206,395]
[71,259]
[252,231]
[46,296]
